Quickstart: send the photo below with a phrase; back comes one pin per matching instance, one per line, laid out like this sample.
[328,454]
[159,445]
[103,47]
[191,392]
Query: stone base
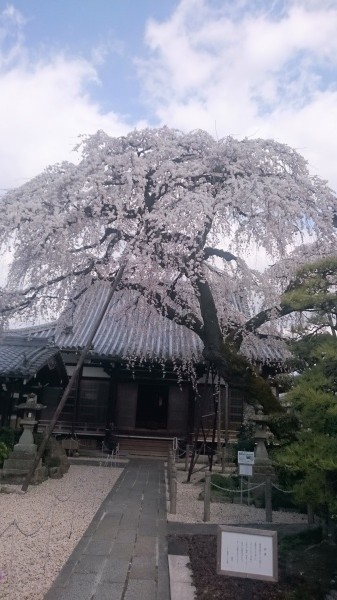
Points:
[25,448]
[260,471]
[18,476]
[17,467]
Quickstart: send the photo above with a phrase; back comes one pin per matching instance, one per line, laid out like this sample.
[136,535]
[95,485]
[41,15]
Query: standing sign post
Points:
[248,553]
[245,462]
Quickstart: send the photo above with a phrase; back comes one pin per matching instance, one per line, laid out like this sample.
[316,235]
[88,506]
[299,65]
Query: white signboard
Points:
[245,458]
[246,470]
[246,552]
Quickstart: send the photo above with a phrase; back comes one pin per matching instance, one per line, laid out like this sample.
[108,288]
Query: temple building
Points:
[144,373]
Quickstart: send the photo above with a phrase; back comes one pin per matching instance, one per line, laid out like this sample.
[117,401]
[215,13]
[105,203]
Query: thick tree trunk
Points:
[234,368]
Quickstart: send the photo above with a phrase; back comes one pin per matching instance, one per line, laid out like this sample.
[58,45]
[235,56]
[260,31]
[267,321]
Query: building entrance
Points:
[152,407]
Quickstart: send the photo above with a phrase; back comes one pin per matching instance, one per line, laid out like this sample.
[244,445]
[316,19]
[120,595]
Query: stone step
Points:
[144,447]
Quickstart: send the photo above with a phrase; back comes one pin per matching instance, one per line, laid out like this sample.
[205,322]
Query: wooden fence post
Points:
[207,497]
[268,500]
[311,516]
[223,459]
[173,499]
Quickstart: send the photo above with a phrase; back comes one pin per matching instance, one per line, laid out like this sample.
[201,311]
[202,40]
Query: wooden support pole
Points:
[72,380]
[219,419]
[199,404]
[187,456]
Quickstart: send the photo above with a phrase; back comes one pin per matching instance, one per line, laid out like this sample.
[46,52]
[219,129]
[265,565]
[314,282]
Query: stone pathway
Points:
[123,554]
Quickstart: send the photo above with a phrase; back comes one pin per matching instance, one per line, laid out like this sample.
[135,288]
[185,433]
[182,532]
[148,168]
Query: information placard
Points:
[246,458]
[246,470]
[246,552]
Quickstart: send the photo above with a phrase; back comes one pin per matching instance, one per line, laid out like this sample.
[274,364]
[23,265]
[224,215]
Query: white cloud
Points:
[227,67]
[243,71]
[44,105]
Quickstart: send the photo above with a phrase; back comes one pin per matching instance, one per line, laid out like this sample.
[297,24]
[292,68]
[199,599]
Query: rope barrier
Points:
[33,532]
[62,500]
[280,490]
[255,487]
[36,531]
[38,540]
[46,556]
[10,573]
[243,491]
[8,526]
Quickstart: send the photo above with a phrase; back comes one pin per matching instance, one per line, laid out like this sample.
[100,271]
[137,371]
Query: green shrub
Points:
[306,537]
[4,453]
[245,439]
[225,486]
[281,501]
[9,436]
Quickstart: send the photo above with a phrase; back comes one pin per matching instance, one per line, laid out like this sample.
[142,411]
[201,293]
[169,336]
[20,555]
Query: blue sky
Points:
[114,29]
[257,68]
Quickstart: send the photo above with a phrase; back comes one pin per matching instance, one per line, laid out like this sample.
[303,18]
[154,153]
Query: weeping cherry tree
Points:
[181,211]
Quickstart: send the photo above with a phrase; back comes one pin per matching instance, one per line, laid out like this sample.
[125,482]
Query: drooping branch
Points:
[24,298]
[228,256]
[155,299]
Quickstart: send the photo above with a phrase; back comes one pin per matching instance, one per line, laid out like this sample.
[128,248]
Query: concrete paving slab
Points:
[108,591]
[115,570]
[180,590]
[89,563]
[122,550]
[80,588]
[141,590]
[123,553]
[142,567]
[145,545]
[126,536]
[181,584]
[99,547]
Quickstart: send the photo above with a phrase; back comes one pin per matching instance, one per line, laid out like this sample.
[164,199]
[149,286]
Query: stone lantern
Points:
[263,467]
[261,435]
[17,466]
[30,408]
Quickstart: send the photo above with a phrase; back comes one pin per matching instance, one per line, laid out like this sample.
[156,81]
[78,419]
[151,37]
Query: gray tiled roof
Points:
[23,358]
[132,328]
[127,330]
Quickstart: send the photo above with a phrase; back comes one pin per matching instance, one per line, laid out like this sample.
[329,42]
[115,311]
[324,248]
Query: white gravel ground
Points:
[40,529]
[191,510]
[48,520]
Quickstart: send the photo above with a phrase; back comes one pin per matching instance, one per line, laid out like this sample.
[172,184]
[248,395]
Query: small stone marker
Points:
[246,552]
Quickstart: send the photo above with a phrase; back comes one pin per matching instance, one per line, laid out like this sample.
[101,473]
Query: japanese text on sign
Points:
[246,552]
